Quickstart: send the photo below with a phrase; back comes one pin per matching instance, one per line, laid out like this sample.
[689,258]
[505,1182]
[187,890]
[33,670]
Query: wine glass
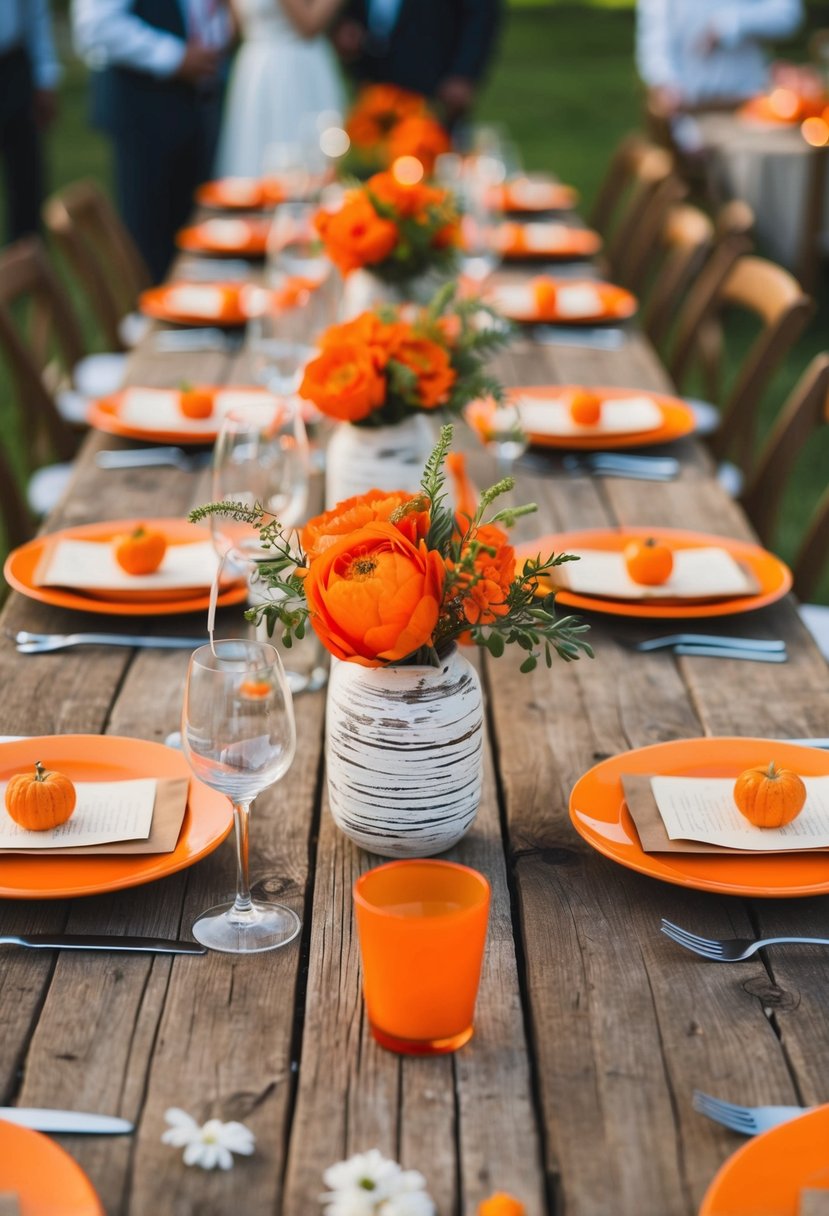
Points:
[278,336]
[239,737]
[499,427]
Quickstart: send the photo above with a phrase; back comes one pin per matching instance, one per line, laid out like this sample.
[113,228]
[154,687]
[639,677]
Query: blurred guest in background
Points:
[284,75]
[693,53]
[29,74]
[440,48]
[158,75]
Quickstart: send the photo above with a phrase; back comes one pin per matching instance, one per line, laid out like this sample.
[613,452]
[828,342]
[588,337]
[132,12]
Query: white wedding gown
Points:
[278,84]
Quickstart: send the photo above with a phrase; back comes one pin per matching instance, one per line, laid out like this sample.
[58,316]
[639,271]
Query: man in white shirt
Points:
[694,53]
[29,74]
[157,90]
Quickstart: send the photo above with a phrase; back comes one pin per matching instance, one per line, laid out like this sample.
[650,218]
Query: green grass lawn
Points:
[565,85]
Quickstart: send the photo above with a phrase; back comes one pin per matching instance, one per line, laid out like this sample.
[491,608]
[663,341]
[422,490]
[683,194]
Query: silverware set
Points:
[171,341]
[139,458]
[598,337]
[713,646]
[43,643]
[605,464]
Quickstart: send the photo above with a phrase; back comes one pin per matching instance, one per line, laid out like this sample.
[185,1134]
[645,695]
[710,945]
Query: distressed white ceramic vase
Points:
[404,750]
[361,458]
[363,290]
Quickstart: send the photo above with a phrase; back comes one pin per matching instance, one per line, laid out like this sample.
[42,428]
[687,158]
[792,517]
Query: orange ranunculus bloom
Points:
[420,136]
[501,1204]
[430,362]
[344,383]
[354,513]
[377,336]
[485,597]
[356,235]
[408,199]
[447,236]
[374,597]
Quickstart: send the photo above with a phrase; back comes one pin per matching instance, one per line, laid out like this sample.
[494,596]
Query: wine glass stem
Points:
[241,818]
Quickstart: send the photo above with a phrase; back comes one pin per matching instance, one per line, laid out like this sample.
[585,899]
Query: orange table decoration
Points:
[422,928]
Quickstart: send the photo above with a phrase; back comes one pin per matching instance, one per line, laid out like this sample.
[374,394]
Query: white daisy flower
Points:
[209,1145]
[370,1172]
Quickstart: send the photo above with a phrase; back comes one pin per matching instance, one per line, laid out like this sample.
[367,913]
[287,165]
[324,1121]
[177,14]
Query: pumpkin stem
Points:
[772,772]
[40,771]
[139,532]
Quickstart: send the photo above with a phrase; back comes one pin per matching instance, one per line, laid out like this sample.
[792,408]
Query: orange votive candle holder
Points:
[422,928]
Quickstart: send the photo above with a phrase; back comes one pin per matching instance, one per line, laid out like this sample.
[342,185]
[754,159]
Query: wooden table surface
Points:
[592,1029]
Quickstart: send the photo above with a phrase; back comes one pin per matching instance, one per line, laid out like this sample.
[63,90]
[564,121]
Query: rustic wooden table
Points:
[592,1029]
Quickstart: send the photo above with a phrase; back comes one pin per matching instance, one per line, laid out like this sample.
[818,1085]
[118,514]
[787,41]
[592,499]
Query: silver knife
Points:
[723,652]
[41,1120]
[83,941]
[710,639]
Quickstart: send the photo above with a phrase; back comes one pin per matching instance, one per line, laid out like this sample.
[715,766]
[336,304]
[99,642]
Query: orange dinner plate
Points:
[161,304]
[532,195]
[240,193]
[773,576]
[42,1176]
[766,1176]
[207,820]
[251,239]
[105,415]
[513,243]
[22,564]
[600,815]
[677,418]
[615,304]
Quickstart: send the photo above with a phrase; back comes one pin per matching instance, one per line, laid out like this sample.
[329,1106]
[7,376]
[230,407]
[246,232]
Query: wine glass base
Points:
[267,927]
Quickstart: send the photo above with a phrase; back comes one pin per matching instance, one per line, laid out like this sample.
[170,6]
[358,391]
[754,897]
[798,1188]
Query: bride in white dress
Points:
[284,75]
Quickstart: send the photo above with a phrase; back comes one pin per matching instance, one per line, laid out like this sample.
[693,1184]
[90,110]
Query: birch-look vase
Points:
[404,749]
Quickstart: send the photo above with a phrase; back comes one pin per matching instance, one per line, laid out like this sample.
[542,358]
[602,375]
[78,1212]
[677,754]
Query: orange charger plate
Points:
[105,415]
[198,239]
[21,565]
[773,576]
[556,197]
[43,1176]
[155,302]
[617,304]
[768,1173]
[207,820]
[600,815]
[242,194]
[571,243]
[677,418]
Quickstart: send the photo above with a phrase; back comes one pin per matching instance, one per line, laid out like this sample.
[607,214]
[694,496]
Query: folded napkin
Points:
[551,416]
[90,566]
[535,238]
[532,193]
[158,409]
[226,233]
[243,191]
[698,574]
[112,807]
[698,815]
[574,300]
[199,300]
[814,1203]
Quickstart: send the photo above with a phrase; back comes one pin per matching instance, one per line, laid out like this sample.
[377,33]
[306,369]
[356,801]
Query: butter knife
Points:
[41,1120]
[83,941]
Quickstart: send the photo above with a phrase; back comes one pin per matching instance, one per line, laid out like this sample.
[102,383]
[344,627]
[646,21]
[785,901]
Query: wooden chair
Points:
[657,199]
[682,245]
[16,524]
[101,253]
[763,289]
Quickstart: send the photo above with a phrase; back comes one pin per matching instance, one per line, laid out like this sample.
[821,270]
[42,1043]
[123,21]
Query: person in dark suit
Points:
[157,90]
[439,48]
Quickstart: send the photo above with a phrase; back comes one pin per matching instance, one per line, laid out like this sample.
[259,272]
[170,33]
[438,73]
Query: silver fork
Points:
[733,950]
[747,1120]
[42,643]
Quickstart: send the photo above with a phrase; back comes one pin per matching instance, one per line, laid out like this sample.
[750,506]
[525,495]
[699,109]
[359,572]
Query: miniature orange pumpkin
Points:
[195,402]
[140,551]
[544,293]
[585,407]
[40,801]
[501,1204]
[255,690]
[769,797]
[648,562]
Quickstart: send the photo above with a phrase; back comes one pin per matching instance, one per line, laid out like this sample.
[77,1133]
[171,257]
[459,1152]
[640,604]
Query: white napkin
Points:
[91,566]
[514,299]
[551,416]
[532,194]
[245,191]
[574,300]
[698,574]
[157,409]
[227,233]
[196,301]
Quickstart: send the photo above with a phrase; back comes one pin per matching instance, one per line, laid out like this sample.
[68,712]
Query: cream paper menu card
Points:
[573,301]
[158,409]
[703,808]
[196,300]
[698,574]
[228,233]
[813,1202]
[105,811]
[91,566]
[551,416]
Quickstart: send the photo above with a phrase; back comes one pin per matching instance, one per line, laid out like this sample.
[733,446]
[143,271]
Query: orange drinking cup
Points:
[422,928]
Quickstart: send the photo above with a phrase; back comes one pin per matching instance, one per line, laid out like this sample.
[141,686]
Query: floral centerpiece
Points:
[385,373]
[387,122]
[390,583]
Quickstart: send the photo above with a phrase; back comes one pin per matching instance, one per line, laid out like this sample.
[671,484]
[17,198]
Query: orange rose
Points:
[408,199]
[419,136]
[344,383]
[374,597]
[485,593]
[354,513]
[431,365]
[501,1204]
[368,330]
[389,102]
[355,235]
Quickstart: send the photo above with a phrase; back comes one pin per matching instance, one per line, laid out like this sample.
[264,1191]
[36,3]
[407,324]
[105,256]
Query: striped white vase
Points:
[404,754]
[361,458]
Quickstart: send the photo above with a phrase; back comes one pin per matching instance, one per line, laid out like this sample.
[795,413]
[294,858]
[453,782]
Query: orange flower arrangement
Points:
[386,365]
[394,578]
[379,108]
[422,137]
[387,122]
[395,228]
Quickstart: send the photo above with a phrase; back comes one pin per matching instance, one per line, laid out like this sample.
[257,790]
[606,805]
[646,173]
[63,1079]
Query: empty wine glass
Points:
[279,336]
[239,737]
[499,426]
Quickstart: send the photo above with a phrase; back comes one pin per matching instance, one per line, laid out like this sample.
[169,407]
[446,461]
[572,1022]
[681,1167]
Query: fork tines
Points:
[692,941]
